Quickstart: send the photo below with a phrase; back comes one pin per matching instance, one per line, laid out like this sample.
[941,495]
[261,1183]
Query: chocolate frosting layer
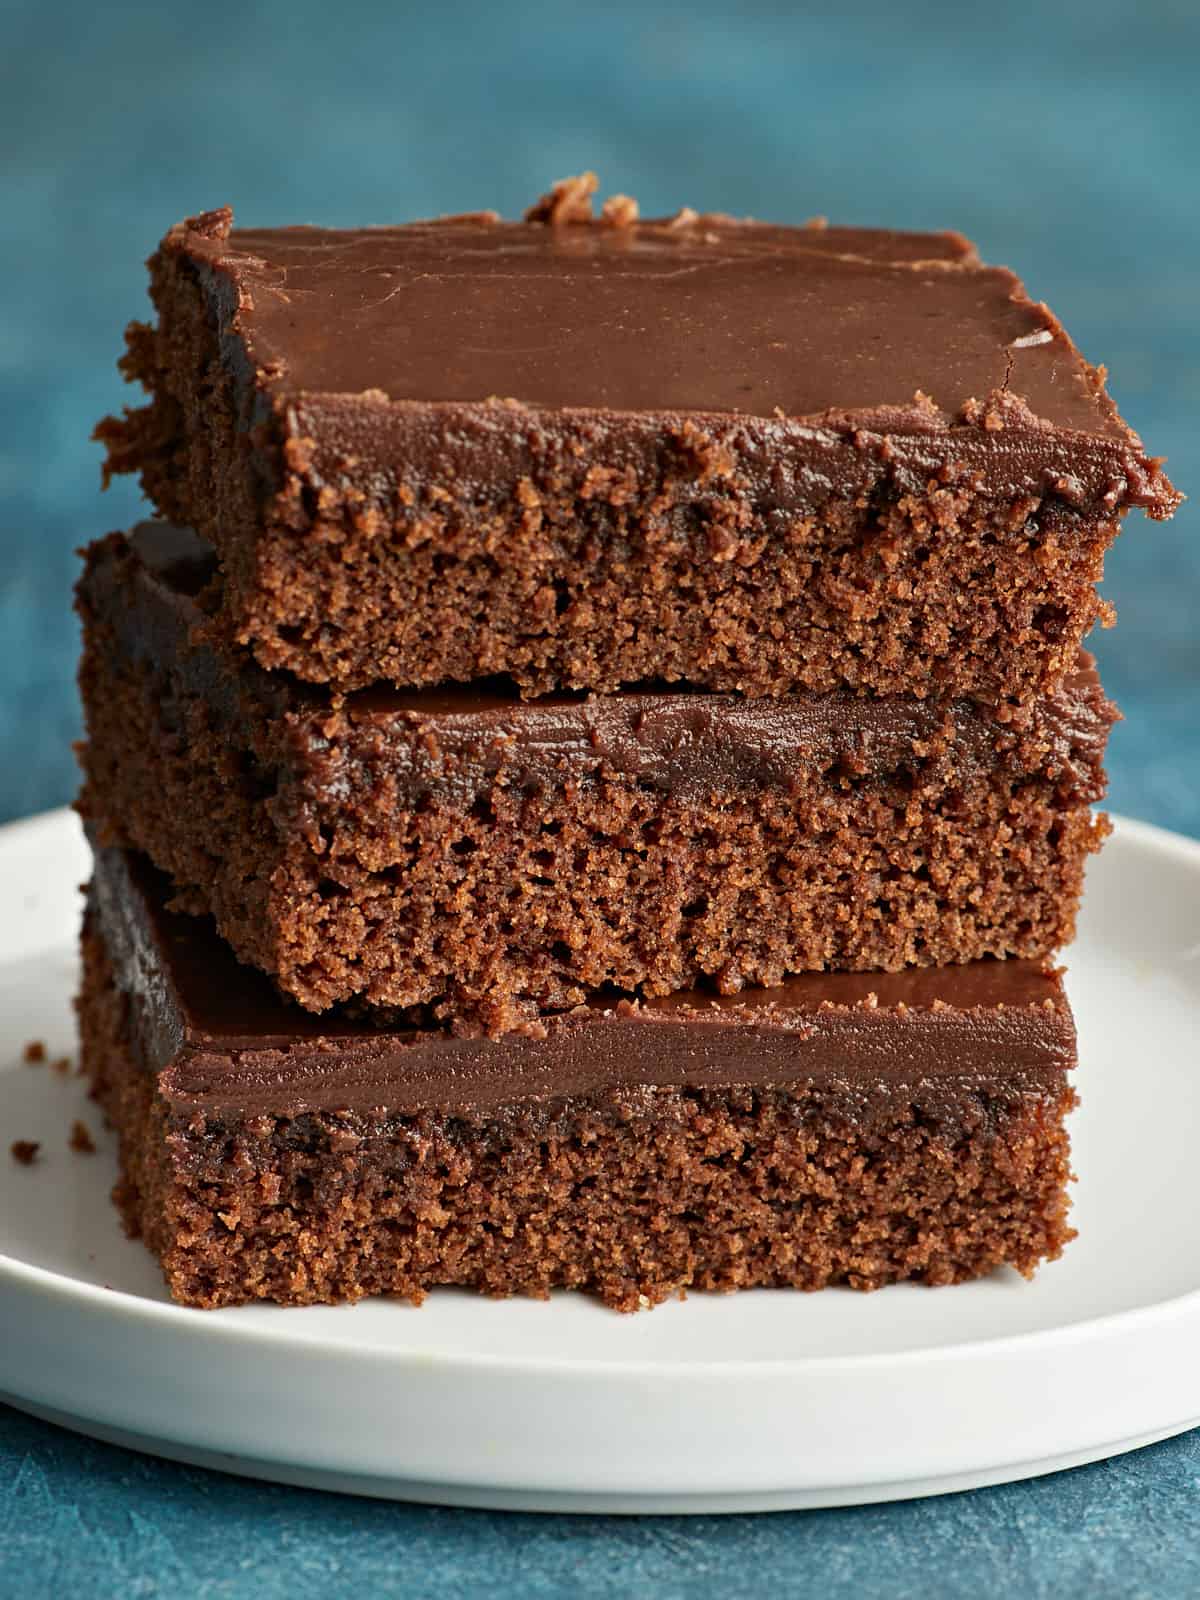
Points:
[221,1041]
[710,315]
[455,739]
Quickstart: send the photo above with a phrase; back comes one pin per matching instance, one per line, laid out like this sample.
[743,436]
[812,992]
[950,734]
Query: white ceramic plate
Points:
[764,1400]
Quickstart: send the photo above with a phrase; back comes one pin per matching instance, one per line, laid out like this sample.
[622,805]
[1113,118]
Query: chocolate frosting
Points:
[471,352]
[710,316]
[221,1040]
[453,740]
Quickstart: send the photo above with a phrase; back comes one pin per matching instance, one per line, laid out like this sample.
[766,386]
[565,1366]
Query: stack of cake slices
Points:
[588,774]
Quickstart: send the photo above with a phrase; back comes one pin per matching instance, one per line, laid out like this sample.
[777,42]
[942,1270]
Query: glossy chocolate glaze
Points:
[451,740]
[221,1041]
[711,315]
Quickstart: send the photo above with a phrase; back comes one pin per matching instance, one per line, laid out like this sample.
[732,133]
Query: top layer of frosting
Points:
[696,314]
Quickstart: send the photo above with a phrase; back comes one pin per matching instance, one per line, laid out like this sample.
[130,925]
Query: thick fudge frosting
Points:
[704,314]
[450,346]
[455,738]
[221,1041]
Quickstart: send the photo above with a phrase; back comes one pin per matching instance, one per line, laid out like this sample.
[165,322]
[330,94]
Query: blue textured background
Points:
[1063,138]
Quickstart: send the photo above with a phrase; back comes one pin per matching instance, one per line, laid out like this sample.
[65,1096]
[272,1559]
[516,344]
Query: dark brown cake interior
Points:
[219,1036]
[810,1136]
[462,849]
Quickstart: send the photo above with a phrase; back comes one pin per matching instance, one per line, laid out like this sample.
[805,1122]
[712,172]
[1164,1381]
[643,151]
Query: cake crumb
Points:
[81,1140]
[34,1053]
[620,211]
[25,1151]
[569,200]
[61,1065]
[215,224]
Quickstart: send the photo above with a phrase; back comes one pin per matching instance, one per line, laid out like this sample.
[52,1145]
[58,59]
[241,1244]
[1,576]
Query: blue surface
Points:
[1066,146]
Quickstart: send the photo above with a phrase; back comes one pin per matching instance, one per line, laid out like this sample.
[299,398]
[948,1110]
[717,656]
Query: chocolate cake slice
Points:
[462,850]
[837,1129]
[585,453]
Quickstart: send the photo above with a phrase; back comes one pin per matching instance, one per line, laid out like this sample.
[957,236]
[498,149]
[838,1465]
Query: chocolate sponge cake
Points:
[587,453]
[482,856]
[836,1129]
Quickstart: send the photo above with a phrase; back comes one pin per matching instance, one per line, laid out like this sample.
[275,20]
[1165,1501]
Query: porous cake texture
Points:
[835,1130]
[483,857]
